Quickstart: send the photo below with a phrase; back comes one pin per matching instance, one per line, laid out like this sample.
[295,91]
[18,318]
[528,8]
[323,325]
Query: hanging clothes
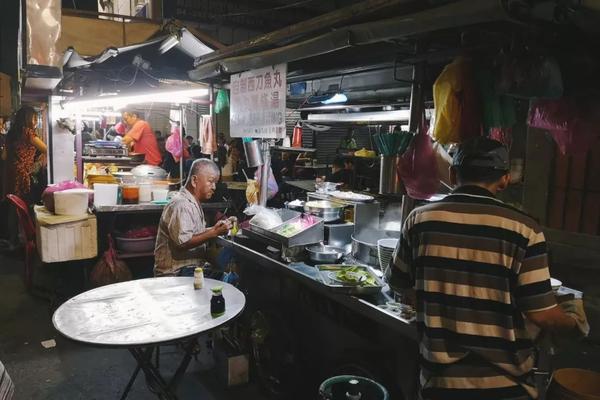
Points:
[207,137]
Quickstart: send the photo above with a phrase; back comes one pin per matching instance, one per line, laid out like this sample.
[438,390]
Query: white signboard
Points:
[257,106]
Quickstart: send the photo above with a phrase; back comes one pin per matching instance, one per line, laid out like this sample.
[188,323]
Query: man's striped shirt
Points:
[477,265]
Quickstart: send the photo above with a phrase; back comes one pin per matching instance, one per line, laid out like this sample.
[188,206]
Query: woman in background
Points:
[22,143]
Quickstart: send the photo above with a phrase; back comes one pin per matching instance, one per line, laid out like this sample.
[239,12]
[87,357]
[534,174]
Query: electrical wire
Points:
[254,12]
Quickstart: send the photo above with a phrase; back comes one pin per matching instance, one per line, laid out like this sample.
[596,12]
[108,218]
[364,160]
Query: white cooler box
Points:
[59,241]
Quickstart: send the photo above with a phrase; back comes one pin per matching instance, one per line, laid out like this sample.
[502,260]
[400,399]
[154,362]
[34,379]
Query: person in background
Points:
[141,137]
[338,172]
[117,129]
[158,134]
[221,150]
[231,165]
[182,233]
[19,154]
[480,271]
[193,148]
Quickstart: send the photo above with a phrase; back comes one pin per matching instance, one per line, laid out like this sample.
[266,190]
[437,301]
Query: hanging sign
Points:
[257,106]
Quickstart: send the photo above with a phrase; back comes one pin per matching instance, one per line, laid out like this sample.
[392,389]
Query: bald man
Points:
[182,233]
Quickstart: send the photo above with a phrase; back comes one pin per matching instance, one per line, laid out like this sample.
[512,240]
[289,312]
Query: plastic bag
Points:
[527,75]
[566,122]
[109,269]
[272,186]
[222,101]
[456,102]
[48,194]
[418,168]
[264,217]
[498,111]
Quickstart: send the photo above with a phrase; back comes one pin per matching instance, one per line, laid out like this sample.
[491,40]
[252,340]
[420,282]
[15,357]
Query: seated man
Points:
[182,233]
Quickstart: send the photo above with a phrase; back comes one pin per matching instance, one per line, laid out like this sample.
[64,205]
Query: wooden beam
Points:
[337,17]
[538,162]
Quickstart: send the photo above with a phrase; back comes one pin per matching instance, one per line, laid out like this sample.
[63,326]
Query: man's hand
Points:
[221,227]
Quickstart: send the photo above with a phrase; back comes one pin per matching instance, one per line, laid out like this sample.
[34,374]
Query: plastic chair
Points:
[28,228]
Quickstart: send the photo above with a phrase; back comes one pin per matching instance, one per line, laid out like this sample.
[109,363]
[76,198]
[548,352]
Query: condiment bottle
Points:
[353,392]
[198,278]
[217,302]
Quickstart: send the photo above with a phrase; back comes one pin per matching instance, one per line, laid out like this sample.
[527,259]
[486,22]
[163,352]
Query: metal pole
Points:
[182,138]
[211,97]
[264,172]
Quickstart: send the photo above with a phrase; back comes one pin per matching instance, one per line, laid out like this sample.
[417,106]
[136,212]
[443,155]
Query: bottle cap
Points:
[217,289]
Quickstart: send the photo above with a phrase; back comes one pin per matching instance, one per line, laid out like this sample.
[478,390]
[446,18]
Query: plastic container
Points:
[105,194]
[135,245]
[146,192]
[71,202]
[345,387]
[131,194]
[159,194]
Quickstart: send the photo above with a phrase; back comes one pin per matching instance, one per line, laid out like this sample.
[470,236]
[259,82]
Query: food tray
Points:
[309,235]
[325,270]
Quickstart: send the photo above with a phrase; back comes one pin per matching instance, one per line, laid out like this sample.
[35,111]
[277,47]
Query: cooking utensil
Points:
[327,272]
[149,171]
[326,187]
[364,244]
[324,253]
[327,210]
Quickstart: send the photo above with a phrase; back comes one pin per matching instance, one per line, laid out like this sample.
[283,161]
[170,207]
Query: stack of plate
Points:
[385,249]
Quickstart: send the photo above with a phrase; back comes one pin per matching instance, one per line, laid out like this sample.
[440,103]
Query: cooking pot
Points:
[150,172]
[364,244]
[325,209]
[324,254]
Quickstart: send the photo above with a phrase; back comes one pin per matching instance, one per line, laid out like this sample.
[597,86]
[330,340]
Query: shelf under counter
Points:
[149,207]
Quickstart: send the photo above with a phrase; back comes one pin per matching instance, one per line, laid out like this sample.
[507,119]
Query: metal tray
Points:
[312,234]
[325,269]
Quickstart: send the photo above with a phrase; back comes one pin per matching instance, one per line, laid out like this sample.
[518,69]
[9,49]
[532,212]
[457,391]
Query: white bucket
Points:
[71,201]
[146,192]
[105,194]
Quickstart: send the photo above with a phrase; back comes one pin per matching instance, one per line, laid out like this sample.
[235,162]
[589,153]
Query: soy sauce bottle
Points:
[217,302]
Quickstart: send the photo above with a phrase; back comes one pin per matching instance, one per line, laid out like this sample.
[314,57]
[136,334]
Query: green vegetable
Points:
[356,276]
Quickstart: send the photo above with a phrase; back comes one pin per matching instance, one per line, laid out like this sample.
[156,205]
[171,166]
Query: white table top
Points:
[144,312]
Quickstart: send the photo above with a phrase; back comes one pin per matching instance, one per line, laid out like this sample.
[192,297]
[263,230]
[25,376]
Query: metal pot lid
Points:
[322,205]
[149,171]
[325,249]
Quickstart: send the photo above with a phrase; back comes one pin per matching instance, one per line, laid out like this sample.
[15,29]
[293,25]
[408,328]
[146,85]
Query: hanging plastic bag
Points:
[418,167]
[567,122]
[528,75]
[222,101]
[456,102]
[109,269]
[272,186]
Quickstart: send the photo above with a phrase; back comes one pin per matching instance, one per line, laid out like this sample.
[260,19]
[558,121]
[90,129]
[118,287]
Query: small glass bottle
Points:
[217,302]
[198,278]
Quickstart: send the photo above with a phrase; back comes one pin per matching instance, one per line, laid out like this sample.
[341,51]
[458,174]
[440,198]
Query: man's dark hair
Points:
[188,137]
[478,174]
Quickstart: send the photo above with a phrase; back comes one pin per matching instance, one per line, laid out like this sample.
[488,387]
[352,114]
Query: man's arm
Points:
[220,228]
[533,294]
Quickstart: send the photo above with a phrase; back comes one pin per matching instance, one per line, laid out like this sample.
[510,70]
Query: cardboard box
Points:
[232,367]
[67,241]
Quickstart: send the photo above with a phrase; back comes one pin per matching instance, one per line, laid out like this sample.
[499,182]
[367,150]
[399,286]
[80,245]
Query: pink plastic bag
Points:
[173,144]
[48,194]
[418,168]
[567,123]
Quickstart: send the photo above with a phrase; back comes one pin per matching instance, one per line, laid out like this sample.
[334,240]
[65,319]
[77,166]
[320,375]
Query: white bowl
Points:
[556,284]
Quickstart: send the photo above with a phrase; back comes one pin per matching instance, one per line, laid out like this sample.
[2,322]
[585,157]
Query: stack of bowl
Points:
[385,249]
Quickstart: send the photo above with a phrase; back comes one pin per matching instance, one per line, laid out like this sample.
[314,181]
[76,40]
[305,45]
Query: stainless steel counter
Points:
[301,272]
[149,207]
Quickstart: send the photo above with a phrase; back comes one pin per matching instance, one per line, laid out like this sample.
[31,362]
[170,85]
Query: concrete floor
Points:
[72,371]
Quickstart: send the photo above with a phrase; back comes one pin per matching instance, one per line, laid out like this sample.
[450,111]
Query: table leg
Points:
[153,377]
[130,383]
[189,348]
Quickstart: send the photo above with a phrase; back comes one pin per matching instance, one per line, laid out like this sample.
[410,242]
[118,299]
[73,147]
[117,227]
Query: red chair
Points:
[28,229]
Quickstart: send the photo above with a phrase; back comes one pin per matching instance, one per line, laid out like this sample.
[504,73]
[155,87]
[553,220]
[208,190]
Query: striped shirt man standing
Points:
[480,272]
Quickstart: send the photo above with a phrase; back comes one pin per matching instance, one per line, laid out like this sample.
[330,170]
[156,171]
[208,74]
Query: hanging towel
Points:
[207,135]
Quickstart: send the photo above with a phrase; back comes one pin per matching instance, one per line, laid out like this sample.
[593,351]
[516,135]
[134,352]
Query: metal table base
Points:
[155,381]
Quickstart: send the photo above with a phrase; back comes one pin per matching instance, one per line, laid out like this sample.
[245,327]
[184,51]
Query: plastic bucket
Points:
[574,384]
[105,194]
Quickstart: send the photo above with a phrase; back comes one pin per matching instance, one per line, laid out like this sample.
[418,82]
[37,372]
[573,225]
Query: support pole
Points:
[264,172]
